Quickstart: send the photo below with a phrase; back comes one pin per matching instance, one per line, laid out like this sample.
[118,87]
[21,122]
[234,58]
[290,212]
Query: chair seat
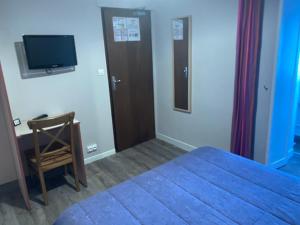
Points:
[53,159]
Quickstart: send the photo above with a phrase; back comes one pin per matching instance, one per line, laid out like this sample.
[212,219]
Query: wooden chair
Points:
[57,153]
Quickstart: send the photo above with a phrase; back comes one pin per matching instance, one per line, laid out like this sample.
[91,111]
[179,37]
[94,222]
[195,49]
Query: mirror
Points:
[182,40]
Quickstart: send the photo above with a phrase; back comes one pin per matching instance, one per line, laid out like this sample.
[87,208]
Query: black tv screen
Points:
[50,51]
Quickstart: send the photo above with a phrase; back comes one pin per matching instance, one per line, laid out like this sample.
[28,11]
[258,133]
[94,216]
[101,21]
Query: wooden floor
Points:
[102,174]
[293,166]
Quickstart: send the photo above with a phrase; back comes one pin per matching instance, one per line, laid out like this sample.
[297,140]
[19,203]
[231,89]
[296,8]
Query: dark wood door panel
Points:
[130,65]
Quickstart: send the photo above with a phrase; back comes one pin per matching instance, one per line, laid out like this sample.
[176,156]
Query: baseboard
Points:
[282,162]
[99,156]
[173,141]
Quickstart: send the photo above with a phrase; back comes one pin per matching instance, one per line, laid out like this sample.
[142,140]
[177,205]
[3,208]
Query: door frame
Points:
[291,104]
[108,77]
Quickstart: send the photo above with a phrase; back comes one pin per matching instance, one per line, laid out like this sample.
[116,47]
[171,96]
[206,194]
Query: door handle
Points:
[114,82]
[186,72]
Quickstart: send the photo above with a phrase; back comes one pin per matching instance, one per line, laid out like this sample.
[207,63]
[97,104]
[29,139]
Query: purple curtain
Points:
[250,17]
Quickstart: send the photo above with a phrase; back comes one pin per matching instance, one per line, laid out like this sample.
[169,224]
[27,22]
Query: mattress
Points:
[205,186]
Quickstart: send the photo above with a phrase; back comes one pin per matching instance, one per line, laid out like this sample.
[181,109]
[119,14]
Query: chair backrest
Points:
[40,127]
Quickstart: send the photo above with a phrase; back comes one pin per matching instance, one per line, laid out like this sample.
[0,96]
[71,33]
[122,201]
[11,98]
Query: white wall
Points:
[214,49]
[270,37]
[81,91]
[214,27]
[214,52]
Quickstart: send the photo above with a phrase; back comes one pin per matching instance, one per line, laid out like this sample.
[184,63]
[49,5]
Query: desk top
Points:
[23,129]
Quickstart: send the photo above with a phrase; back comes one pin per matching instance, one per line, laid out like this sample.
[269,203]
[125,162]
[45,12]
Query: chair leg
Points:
[43,185]
[76,176]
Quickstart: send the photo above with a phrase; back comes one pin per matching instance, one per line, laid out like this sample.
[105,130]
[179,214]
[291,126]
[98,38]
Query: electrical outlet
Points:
[92,148]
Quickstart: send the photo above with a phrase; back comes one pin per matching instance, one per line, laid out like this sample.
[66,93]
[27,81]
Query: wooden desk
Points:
[20,140]
[23,129]
[25,142]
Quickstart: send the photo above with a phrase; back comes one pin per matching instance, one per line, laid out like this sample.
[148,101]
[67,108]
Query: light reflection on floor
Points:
[293,166]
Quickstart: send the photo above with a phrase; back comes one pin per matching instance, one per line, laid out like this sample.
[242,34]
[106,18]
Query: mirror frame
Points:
[189,110]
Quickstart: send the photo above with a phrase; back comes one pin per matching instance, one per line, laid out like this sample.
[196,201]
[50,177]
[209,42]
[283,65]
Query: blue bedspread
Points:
[206,186]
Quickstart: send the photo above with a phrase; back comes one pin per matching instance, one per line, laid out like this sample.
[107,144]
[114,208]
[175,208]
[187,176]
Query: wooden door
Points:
[129,62]
[182,65]
[13,140]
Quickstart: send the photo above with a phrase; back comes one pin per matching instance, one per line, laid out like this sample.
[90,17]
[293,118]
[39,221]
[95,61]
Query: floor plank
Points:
[102,175]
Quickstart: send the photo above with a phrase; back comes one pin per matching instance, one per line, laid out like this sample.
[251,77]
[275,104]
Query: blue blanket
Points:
[206,186]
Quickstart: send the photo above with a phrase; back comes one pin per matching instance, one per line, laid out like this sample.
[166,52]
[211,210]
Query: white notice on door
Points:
[120,29]
[133,29]
[126,29]
[177,29]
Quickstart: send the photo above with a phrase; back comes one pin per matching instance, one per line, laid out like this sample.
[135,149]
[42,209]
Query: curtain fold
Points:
[249,35]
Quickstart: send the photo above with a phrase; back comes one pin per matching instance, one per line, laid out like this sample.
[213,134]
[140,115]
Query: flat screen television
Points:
[50,51]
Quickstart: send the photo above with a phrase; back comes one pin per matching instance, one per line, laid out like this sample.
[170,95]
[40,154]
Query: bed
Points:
[205,186]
